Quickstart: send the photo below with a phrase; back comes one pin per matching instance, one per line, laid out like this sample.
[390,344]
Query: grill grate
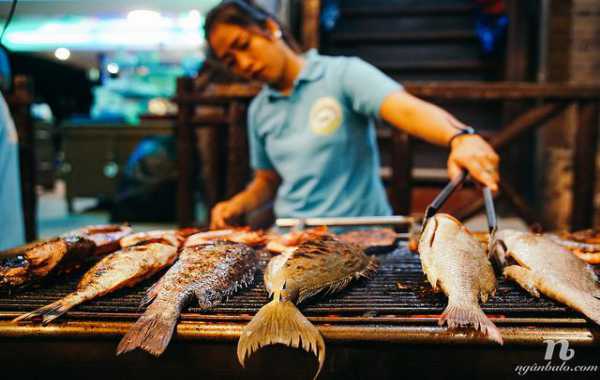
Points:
[380,296]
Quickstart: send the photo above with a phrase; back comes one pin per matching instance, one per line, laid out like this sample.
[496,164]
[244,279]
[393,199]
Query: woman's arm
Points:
[433,124]
[261,190]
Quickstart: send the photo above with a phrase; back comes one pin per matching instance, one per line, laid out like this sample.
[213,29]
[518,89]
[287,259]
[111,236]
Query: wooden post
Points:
[401,186]
[584,165]
[238,168]
[518,47]
[311,10]
[185,155]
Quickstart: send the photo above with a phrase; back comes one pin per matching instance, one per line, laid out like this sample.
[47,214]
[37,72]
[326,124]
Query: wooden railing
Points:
[552,99]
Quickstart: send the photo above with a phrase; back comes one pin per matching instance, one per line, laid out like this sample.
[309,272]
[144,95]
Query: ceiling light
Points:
[112,68]
[62,53]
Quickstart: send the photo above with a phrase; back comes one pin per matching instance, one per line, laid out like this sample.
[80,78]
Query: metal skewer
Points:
[345,221]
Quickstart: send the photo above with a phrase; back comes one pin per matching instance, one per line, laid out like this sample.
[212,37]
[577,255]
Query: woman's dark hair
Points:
[244,14]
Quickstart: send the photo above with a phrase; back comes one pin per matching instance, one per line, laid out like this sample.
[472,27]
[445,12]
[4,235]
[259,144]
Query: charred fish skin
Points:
[209,273]
[456,263]
[59,255]
[120,269]
[323,264]
[55,256]
[543,266]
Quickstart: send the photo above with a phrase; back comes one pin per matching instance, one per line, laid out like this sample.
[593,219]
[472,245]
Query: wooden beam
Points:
[471,91]
[525,122]
[490,91]
[387,37]
[408,11]
[584,165]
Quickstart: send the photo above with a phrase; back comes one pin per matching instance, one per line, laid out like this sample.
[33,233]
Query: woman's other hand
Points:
[474,154]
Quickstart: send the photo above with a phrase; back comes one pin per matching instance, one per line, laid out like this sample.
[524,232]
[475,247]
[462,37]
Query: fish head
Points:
[505,239]
[14,271]
[439,222]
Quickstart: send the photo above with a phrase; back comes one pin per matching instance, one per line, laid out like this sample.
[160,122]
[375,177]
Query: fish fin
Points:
[151,294]
[460,315]
[524,277]
[280,322]
[152,332]
[210,297]
[54,310]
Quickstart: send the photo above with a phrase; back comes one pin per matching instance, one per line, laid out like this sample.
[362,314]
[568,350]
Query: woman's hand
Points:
[224,212]
[474,154]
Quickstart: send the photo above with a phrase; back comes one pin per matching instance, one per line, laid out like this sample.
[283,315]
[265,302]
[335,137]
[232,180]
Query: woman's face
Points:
[254,55]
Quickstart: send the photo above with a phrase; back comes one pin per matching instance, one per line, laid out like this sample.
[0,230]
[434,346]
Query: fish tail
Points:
[152,332]
[462,315]
[280,322]
[54,310]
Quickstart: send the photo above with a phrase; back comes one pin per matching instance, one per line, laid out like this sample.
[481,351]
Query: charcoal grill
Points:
[395,307]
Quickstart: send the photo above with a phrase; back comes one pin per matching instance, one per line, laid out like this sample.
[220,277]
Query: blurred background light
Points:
[112,68]
[62,53]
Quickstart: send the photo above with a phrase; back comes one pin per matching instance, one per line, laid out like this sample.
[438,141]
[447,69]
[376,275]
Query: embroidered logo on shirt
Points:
[325,116]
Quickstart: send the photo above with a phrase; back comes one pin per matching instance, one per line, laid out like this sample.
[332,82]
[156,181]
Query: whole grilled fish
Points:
[126,267]
[543,266]
[169,237]
[208,272]
[59,255]
[321,264]
[455,261]
[238,235]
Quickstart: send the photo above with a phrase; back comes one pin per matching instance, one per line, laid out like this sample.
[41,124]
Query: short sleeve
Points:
[366,87]
[258,154]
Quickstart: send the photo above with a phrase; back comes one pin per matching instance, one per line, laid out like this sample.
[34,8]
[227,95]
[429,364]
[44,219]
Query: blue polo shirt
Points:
[321,140]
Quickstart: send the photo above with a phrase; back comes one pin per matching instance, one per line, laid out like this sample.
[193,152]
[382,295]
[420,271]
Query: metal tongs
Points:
[441,198]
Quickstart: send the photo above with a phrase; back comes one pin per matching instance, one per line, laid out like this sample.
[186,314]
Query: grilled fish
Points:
[543,266]
[279,243]
[373,238]
[59,255]
[126,267]
[238,235]
[456,262]
[321,264]
[208,272]
[169,237]
[106,237]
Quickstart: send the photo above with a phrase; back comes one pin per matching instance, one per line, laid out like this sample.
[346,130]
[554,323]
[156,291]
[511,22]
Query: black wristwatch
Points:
[463,131]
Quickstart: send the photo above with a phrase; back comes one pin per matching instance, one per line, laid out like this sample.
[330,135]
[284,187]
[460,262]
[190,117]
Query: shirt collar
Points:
[313,70]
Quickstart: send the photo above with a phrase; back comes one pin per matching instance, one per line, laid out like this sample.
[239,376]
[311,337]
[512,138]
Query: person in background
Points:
[12,229]
[312,141]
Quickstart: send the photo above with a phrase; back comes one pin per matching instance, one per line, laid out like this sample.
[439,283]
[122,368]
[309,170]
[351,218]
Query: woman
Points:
[312,142]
